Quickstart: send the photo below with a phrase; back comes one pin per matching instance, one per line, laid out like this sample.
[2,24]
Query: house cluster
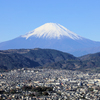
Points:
[22,84]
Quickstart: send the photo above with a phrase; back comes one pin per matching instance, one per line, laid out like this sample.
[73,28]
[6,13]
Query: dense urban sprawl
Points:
[49,84]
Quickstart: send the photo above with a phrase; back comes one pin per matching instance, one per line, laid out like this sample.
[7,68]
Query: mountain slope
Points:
[47,58]
[91,60]
[53,36]
[19,58]
[90,63]
[52,30]
[15,61]
[44,56]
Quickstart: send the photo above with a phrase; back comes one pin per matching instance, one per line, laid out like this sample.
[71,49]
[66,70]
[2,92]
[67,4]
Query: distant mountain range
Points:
[47,58]
[53,36]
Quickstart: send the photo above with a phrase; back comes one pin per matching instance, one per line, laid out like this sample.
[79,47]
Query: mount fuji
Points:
[52,31]
[53,36]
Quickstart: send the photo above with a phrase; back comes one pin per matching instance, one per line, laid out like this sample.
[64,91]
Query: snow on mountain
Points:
[53,36]
[52,30]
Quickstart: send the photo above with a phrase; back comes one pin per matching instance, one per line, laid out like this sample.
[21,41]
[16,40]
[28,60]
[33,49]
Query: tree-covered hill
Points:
[19,58]
[47,58]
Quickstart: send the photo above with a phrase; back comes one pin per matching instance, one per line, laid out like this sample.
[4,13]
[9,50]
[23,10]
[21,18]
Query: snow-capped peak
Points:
[52,30]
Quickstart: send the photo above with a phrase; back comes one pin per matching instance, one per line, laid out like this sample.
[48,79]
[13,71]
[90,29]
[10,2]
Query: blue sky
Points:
[17,17]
